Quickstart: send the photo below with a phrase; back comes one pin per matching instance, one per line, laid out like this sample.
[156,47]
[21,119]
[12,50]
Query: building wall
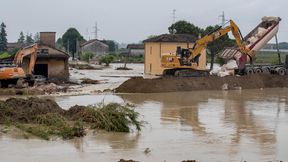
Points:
[48,38]
[136,52]
[96,47]
[153,51]
[58,69]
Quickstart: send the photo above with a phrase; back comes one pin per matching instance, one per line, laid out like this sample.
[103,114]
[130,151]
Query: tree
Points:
[29,39]
[113,46]
[37,38]
[107,59]
[70,38]
[3,38]
[21,38]
[87,56]
[59,43]
[184,27]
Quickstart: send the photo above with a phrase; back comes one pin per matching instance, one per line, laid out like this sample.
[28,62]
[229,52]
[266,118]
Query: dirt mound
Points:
[173,84]
[21,110]
[122,160]
[123,68]
[89,81]
[51,88]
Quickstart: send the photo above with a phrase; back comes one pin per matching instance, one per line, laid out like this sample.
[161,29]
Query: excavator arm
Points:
[218,33]
[26,51]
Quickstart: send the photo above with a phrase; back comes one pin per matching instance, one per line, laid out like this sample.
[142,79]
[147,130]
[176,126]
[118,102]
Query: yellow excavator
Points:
[190,62]
[14,74]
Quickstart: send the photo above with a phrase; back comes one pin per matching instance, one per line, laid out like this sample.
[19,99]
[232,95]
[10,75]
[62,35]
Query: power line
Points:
[96,30]
[223,19]
[174,15]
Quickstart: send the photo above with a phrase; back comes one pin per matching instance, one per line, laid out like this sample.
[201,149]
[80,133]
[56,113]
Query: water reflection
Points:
[115,141]
[243,115]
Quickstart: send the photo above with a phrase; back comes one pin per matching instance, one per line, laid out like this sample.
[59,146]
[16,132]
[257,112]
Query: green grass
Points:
[270,57]
[4,55]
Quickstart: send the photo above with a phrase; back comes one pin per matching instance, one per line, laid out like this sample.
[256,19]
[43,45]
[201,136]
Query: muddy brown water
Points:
[249,125]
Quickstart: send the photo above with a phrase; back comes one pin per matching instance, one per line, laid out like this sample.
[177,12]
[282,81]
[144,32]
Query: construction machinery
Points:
[14,74]
[255,41]
[192,61]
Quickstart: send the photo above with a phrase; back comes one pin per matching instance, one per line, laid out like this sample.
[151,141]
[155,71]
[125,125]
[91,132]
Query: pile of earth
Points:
[174,84]
[89,81]
[44,117]
[122,160]
[26,111]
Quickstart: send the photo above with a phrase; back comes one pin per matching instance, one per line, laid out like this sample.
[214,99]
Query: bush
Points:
[87,56]
[107,59]
[110,117]
[4,55]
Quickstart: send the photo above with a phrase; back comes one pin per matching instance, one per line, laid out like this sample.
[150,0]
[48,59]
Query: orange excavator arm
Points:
[26,51]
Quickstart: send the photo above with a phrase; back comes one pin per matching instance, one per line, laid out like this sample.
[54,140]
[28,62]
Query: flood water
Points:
[249,125]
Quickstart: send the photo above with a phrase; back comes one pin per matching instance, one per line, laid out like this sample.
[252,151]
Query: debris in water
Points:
[89,81]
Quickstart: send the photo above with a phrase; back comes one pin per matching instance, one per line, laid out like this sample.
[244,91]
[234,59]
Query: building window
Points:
[150,68]
[150,50]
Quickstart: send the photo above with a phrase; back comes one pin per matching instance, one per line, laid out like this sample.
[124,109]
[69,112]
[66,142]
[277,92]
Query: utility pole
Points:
[174,15]
[174,20]
[96,29]
[223,20]
[87,34]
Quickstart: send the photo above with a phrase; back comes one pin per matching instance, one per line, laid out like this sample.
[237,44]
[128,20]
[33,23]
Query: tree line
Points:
[27,39]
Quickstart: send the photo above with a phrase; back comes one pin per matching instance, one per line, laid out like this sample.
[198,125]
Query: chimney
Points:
[48,38]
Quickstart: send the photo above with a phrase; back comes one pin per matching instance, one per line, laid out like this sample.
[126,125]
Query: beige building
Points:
[166,43]
[51,62]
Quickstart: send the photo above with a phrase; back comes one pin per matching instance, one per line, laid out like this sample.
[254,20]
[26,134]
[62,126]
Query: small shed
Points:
[51,62]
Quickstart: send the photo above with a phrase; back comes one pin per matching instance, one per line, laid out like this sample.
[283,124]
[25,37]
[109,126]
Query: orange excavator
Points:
[14,74]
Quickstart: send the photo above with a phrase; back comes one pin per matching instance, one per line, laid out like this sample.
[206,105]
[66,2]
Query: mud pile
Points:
[122,160]
[44,117]
[26,111]
[173,84]
[89,81]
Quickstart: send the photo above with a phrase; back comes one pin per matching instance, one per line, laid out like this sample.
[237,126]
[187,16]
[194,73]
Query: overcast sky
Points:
[130,21]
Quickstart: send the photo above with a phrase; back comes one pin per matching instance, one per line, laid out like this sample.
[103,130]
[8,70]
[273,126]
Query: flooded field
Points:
[110,77]
[249,125]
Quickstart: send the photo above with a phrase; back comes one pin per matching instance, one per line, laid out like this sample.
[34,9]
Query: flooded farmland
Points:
[227,126]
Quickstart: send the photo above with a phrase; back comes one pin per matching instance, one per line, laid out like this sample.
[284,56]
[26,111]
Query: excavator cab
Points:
[183,56]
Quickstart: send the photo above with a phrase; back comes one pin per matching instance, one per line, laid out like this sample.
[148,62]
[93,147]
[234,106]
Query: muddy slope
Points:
[172,84]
